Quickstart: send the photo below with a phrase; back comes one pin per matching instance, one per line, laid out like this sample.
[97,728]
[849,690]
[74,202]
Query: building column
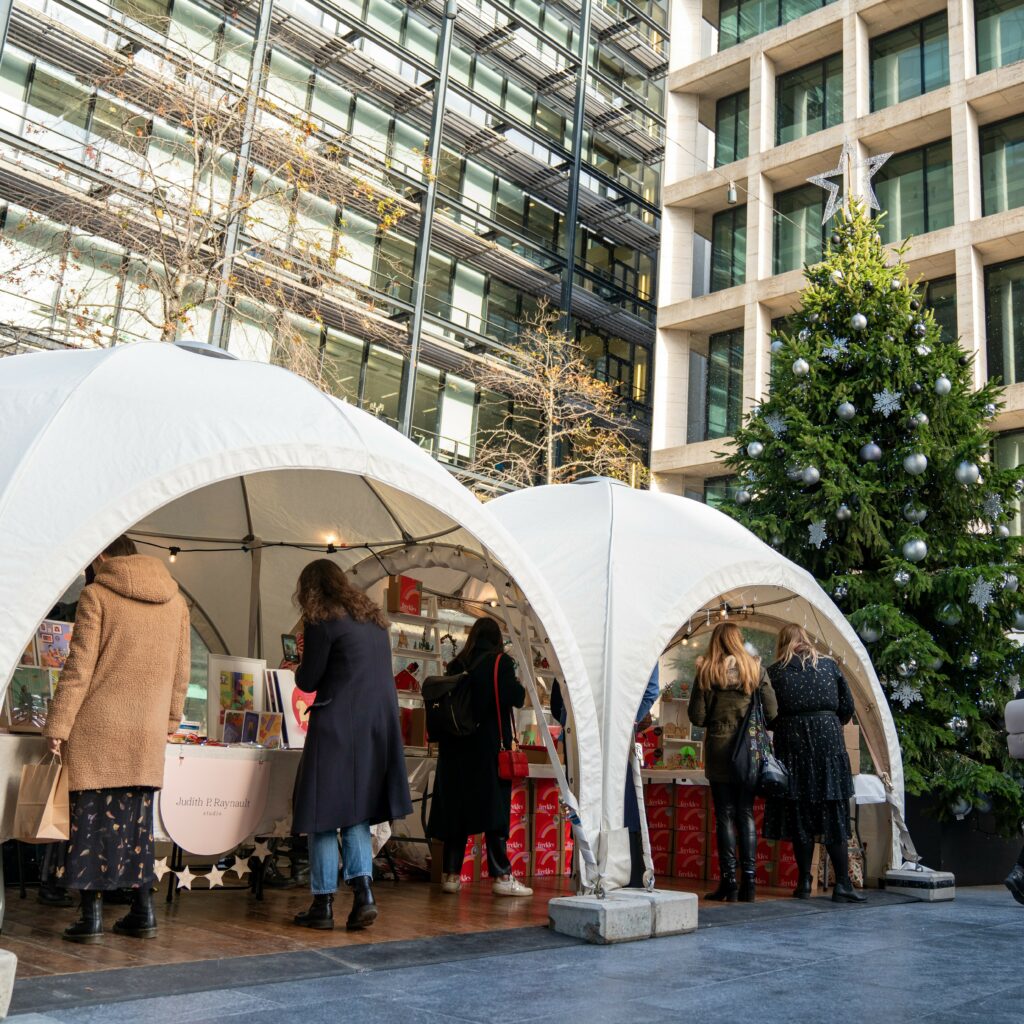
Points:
[970,308]
[760,196]
[757,364]
[675,261]
[671,388]
[856,68]
[966,163]
[963,54]
[761,113]
[685,31]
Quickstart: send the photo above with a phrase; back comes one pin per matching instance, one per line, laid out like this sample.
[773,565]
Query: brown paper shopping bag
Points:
[43,813]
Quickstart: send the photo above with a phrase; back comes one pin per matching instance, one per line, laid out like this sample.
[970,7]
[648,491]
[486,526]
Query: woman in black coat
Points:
[352,772]
[469,797]
[814,705]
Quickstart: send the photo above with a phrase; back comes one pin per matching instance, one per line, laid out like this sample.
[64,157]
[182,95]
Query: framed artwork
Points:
[53,640]
[30,655]
[233,722]
[294,704]
[232,684]
[27,702]
[250,726]
[270,730]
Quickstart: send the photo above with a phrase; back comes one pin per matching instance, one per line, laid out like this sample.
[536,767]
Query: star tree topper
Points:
[846,166]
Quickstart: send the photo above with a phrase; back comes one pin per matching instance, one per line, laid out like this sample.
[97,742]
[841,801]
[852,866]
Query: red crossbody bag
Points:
[512,763]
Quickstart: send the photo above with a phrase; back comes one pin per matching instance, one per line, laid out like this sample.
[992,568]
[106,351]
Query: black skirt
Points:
[111,842]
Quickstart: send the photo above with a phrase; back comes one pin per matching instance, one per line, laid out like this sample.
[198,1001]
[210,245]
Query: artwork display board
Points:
[233,684]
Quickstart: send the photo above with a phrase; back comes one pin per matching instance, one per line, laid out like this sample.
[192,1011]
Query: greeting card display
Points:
[294,705]
[233,722]
[250,726]
[233,684]
[270,730]
[53,641]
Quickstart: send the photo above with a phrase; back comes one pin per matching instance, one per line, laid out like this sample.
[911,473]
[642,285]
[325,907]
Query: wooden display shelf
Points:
[409,652]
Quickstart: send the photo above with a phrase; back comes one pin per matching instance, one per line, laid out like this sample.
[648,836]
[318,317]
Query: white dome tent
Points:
[247,472]
[634,570]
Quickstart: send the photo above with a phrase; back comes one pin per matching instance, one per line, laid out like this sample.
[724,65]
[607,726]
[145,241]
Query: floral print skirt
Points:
[111,842]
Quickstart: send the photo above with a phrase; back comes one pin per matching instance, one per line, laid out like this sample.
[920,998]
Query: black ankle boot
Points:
[89,926]
[140,921]
[844,892]
[1015,883]
[748,887]
[727,892]
[364,909]
[803,888]
[320,913]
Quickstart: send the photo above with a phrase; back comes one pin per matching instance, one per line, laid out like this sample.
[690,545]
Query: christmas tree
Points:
[868,464]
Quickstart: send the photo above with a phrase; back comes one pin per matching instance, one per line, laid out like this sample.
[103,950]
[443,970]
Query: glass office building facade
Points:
[360,74]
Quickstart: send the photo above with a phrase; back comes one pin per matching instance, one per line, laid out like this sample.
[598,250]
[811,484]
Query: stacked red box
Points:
[691,808]
[765,852]
[520,809]
[759,814]
[569,845]
[712,872]
[470,859]
[786,872]
[690,855]
[545,796]
[662,860]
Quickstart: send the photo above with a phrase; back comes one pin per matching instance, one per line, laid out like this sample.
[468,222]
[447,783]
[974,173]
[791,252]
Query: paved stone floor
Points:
[889,961]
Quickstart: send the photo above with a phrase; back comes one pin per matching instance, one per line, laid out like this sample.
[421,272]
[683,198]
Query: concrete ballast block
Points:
[616,918]
[672,913]
[921,883]
[8,966]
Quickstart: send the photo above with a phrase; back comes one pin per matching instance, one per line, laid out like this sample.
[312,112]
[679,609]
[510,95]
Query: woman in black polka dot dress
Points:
[814,704]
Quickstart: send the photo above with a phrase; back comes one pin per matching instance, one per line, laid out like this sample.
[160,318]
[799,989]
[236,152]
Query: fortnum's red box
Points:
[518,838]
[659,817]
[662,862]
[658,794]
[520,863]
[545,862]
[545,796]
[786,874]
[661,840]
[545,831]
[690,855]
[520,803]
[765,852]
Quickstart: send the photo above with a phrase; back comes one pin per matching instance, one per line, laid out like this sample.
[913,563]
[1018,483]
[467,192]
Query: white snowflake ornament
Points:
[906,694]
[993,507]
[982,593]
[887,402]
[838,348]
[817,534]
[775,423]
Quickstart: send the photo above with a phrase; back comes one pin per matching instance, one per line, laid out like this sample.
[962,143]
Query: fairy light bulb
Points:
[173,555]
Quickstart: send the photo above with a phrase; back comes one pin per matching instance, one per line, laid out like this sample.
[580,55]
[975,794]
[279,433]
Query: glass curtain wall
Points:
[1004,321]
[1008,453]
[1002,165]
[799,233]
[809,99]
[729,248]
[732,127]
[940,297]
[915,189]
[723,403]
[999,32]
[743,19]
[718,489]
[910,61]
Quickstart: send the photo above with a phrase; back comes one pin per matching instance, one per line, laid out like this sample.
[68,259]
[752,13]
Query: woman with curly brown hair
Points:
[352,773]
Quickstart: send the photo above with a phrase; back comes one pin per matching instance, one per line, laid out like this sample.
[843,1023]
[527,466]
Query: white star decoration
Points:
[982,593]
[240,867]
[215,877]
[836,197]
[160,868]
[261,851]
[185,878]
[282,828]
[817,534]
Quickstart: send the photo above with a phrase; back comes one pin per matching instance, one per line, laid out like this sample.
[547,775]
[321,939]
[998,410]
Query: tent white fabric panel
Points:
[631,567]
[168,444]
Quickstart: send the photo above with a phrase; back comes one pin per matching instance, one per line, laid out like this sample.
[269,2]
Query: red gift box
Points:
[520,863]
[691,818]
[764,873]
[545,831]
[785,854]
[759,813]
[520,802]
[765,852]
[545,863]
[659,817]
[687,795]
[545,797]
[658,794]
[690,856]
[404,595]
[469,860]
[786,874]
[518,838]
[661,840]
[662,862]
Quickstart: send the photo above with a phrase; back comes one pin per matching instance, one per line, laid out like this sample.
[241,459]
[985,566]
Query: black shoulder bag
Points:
[754,764]
[448,702]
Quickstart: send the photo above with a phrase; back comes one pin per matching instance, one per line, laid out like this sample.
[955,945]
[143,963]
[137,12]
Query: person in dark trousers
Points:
[1014,881]
[469,797]
[727,678]
[814,703]
[352,772]
[631,809]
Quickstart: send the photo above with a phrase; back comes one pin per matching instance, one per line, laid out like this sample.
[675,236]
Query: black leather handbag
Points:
[754,763]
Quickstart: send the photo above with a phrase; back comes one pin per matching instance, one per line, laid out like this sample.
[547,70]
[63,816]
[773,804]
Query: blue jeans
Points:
[356,856]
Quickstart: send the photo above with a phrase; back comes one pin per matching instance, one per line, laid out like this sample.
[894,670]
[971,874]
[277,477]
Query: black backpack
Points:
[448,701]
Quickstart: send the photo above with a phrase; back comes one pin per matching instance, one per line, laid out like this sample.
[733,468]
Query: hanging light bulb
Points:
[686,639]
[730,195]
[173,556]
[723,612]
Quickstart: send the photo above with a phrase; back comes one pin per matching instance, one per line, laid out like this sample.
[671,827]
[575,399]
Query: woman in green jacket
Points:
[727,677]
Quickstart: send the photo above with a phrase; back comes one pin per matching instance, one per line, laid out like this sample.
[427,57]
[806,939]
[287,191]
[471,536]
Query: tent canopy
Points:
[249,471]
[633,569]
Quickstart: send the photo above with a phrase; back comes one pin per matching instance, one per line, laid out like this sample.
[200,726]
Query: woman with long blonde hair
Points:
[814,704]
[727,678]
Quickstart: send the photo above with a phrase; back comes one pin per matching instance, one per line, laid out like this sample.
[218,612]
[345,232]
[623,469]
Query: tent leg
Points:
[255,643]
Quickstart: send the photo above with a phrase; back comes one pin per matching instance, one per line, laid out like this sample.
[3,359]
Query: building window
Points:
[729,248]
[915,189]
[743,19]
[1004,320]
[723,402]
[718,489]
[732,128]
[798,228]
[940,297]
[1008,453]
[999,32]
[809,99]
[1002,165]
[910,61]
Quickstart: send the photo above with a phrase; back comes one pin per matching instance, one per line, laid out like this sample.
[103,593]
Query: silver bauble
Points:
[949,614]
[858,321]
[743,497]
[901,577]
[943,385]
[755,449]
[912,514]
[777,346]
[870,452]
[1002,532]
[958,726]
[920,330]
[1018,486]
[895,284]
[837,276]
[840,592]
[973,659]
[870,632]
[814,318]
[967,473]
[794,473]
[990,409]
[810,476]
[922,419]
[1018,621]
[846,411]
[776,540]
[983,804]
[915,550]
[906,668]
[923,350]
[960,808]
[915,463]
[804,334]
[935,664]
[1010,582]
[801,367]
[843,513]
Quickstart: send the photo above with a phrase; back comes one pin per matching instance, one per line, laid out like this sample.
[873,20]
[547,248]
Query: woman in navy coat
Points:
[352,773]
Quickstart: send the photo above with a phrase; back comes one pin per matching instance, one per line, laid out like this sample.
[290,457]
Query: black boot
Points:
[51,896]
[748,887]
[804,855]
[140,921]
[1015,883]
[844,892]
[364,909]
[89,926]
[727,892]
[803,888]
[320,913]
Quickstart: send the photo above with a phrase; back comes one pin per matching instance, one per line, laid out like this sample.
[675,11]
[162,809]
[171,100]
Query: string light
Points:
[173,555]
